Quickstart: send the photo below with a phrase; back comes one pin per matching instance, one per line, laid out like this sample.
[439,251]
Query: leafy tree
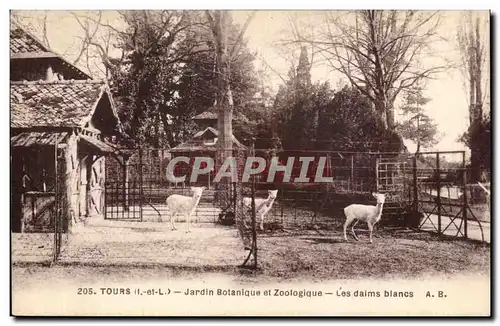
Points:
[167,74]
[417,125]
[347,123]
[473,43]
[312,116]
[296,106]
[144,79]
[257,120]
[379,51]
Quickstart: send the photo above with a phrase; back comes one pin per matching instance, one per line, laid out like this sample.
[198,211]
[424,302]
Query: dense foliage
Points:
[166,75]
[313,116]
[417,125]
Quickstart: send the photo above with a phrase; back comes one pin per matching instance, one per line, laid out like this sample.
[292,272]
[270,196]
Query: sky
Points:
[448,105]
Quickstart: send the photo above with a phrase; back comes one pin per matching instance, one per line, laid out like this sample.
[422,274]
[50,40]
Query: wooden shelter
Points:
[203,144]
[61,124]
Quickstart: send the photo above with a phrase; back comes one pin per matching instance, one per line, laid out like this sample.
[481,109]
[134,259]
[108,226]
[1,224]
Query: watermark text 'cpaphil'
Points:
[297,170]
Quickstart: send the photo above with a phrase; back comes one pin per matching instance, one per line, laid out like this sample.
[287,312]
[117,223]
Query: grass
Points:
[394,253]
[305,249]
[314,255]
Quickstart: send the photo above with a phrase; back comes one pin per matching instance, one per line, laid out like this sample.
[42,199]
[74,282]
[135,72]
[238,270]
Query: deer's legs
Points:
[346,224]
[188,220]
[370,227]
[261,222]
[352,230]
[172,220]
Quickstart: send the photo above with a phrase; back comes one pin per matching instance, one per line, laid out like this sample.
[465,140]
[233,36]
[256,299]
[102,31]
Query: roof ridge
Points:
[66,82]
[35,38]
[48,49]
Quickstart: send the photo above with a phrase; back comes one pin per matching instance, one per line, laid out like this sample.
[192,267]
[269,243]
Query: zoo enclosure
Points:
[410,182]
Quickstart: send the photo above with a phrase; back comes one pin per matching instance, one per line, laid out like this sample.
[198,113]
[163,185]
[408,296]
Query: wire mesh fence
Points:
[136,228]
[286,191]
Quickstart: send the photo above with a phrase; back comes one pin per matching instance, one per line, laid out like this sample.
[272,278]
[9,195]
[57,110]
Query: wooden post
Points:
[438,198]
[83,194]
[56,204]
[70,165]
[22,216]
[19,189]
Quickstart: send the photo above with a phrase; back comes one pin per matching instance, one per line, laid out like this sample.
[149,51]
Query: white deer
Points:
[365,213]
[262,205]
[178,204]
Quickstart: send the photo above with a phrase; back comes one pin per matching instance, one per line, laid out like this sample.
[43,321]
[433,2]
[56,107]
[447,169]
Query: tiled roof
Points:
[32,139]
[208,129]
[33,55]
[24,45]
[195,144]
[54,104]
[100,146]
[22,42]
[209,115]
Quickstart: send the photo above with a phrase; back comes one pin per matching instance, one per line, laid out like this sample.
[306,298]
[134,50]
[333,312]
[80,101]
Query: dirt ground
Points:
[312,254]
[393,253]
[210,257]
[125,243]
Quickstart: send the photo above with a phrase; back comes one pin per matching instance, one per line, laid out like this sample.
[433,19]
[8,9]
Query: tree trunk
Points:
[380,107]
[390,123]
[224,104]
[475,109]
[224,93]
[418,134]
[390,99]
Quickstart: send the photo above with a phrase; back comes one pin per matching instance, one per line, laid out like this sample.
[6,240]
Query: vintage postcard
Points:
[250,163]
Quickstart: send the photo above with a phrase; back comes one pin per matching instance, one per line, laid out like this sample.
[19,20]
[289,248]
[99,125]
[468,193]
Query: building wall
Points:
[36,69]
[33,189]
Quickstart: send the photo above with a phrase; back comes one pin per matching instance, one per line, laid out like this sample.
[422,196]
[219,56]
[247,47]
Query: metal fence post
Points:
[415,185]
[125,176]
[465,204]
[254,219]
[56,203]
[438,198]
[141,193]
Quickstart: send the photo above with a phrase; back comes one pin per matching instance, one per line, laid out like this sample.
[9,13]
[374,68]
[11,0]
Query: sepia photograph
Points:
[231,163]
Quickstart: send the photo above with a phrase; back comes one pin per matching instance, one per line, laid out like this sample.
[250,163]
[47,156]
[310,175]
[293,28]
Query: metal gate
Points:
[136,187]
[440,194]
[122,198]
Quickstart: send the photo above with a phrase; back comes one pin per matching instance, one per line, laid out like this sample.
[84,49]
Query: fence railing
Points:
[136,191]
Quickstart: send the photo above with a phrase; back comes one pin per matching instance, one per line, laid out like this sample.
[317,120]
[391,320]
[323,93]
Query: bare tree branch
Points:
[237,44]
[378,51]
[45,36]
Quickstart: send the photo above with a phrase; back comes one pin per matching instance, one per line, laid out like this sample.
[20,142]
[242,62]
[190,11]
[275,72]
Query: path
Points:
[473,229]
